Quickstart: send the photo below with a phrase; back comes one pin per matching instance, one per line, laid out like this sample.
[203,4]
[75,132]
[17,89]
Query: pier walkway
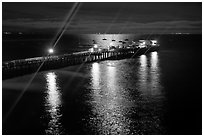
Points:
[25,66]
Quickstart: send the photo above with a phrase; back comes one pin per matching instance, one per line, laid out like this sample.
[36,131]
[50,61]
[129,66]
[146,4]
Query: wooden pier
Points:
[25,66]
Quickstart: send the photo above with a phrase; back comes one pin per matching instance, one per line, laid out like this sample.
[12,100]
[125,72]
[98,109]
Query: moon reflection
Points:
[53,105]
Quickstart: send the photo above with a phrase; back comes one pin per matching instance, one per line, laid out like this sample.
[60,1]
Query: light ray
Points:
[61,32]
[70,16]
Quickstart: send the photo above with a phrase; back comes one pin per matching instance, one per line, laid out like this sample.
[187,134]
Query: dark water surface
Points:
[156,93]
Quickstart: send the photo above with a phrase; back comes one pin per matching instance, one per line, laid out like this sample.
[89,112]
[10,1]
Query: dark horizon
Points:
[104,17]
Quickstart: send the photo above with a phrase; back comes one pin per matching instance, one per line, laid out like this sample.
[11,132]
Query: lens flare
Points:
[51,51]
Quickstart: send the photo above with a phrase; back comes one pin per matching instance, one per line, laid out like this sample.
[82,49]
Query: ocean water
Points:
[156,93]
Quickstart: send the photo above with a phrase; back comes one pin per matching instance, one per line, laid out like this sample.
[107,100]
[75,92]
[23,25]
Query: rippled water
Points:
[119,97]
[53,104]
[150,94]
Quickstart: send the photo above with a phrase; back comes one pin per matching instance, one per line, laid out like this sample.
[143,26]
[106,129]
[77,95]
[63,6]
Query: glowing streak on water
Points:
[143,73]
[96,75]
[53,105]
[154,61]
[151,95]
[155,74]
[149,76]
[107,101]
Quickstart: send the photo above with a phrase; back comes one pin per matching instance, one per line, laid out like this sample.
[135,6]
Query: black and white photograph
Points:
[101,68]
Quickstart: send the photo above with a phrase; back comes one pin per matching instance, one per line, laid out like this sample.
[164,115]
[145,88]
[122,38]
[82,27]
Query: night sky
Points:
[105,17]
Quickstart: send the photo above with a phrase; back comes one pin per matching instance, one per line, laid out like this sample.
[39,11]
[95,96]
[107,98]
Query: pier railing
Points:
[25,66]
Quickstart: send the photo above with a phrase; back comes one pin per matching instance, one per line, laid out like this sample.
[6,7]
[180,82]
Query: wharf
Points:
[25,66]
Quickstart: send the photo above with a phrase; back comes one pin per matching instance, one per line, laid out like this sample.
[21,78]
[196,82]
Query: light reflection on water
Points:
[150,89]
[96,75]
[109,112]
[143,73]
[115,110]
[149,75]
[53,105]
[121,102]
[155,74]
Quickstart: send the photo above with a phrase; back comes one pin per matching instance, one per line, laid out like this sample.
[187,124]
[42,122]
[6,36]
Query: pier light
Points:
[154,42]
[95,46]
[50,51]
[91,49]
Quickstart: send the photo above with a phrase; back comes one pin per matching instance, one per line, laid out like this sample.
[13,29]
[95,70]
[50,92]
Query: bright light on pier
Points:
[154,42]
[111,44]
[95,46]
[91,49]
[50,50]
